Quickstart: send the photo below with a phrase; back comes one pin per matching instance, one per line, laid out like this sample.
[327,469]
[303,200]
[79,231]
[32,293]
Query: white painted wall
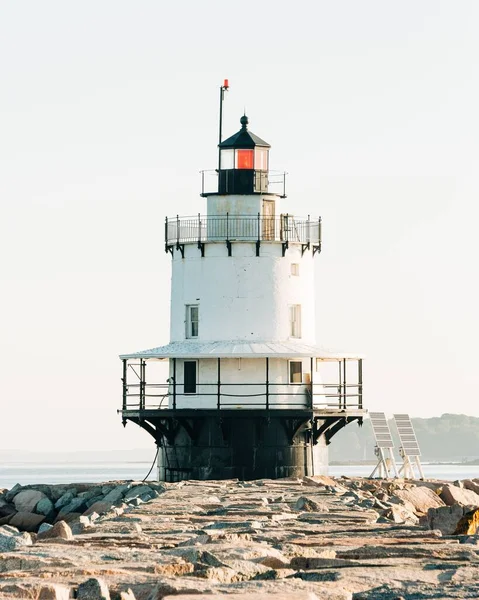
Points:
[238,373]
[243,296]
[235,204]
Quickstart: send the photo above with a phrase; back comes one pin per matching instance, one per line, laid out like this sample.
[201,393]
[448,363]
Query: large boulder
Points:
[117,493]
[471,485]
[7,510]
[12,539]
[452,494]
[44,507]
[308,505]
[26,500]
[53,591]
[6,520]
[93,589]
[26,521]
[10,495]
[60,530]
[98,507]
[69,517]
[421,498]
[139,490]
[77,505]
[400,514]
[446,518]
[65,499]
[469,523]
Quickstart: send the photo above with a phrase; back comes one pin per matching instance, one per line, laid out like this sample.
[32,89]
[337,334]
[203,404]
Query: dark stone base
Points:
[241,444]
[242,447]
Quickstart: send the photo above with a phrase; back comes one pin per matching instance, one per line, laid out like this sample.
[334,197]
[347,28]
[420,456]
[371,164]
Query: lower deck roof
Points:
[240,349]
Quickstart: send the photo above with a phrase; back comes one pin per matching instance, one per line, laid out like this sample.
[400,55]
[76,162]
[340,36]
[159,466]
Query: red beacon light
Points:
[225,84]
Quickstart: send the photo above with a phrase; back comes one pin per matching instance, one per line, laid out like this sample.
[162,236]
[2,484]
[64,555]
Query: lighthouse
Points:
[247,391]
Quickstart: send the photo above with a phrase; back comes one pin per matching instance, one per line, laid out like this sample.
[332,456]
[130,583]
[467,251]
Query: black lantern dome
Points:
[244,160]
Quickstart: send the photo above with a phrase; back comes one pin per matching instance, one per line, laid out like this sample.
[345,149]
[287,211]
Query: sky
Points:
[109,110]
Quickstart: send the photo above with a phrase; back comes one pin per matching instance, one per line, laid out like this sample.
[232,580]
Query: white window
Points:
[192,320]
[295,320]
[261,159]
[294,269]
[295,371]
[227,159]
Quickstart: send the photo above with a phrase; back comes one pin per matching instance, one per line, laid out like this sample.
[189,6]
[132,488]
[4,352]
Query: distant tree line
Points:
[448,438]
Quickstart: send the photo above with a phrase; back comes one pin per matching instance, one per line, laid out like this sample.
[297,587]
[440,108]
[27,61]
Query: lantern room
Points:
[243,163]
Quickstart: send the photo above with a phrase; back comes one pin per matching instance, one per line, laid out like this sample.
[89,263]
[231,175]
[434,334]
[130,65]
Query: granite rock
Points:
[452,494]
[26,500]
[60,530]
[93,589]
[12,539]
[45,507]
[26,521]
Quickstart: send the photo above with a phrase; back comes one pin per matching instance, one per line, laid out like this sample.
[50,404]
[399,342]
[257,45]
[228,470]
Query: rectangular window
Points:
[295,371]
[244,159]
[261,159]
[294,269]
[189,377]
[227,159]
[295,320]
[192,320]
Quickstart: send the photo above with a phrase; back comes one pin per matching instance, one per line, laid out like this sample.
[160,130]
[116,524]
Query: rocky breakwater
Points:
[308,539]
[36,508]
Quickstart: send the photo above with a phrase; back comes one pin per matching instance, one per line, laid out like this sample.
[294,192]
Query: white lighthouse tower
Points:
[250,394]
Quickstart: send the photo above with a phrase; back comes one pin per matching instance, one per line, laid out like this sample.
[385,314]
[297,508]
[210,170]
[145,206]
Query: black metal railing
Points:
[151,396]
[271,182]
[249,228]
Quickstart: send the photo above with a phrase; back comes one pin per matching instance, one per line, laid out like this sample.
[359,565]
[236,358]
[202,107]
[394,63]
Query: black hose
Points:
[153,464]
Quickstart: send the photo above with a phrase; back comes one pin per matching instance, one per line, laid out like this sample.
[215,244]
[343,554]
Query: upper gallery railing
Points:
[158,396]
[246,228]
[271,182]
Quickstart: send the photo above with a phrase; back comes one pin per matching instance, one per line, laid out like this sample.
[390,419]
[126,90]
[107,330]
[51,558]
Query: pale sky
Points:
[108,110]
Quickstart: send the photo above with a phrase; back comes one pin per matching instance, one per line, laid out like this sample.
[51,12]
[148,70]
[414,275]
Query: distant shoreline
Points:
[360,463]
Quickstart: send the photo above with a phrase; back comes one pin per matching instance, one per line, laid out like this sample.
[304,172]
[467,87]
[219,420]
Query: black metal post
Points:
[258,241]
[267,383]
[166,234]
[177,231]
[344,384]
[360,383]
[223,89]
[142,384]
[219,383]
[124,383]
[228,243]
[312,380]
[174,384]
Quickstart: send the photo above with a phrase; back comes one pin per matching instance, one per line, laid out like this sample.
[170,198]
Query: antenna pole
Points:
[224,88]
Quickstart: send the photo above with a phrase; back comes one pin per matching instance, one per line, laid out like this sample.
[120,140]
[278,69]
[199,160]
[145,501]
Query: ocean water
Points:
[71,472]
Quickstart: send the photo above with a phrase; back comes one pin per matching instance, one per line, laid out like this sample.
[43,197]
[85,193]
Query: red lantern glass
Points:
[244,159]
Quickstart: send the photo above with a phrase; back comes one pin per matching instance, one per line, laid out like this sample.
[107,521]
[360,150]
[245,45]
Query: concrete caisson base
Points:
[241,445]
